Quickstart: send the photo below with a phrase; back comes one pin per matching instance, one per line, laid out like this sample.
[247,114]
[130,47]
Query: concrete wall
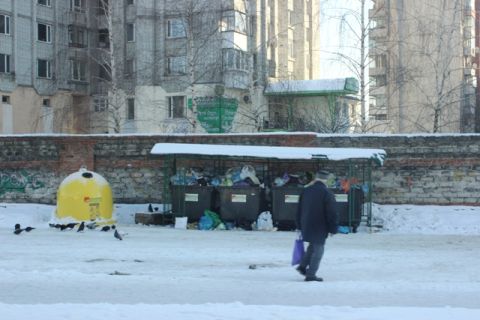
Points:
[429,169]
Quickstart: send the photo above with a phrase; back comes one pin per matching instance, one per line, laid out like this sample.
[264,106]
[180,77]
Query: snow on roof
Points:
[292,153]
[341,85]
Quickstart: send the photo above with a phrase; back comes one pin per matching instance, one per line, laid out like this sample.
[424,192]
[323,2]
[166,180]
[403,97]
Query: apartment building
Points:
[423,66]
[135,66]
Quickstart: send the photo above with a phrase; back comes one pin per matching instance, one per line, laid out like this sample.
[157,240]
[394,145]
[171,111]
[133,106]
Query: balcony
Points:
[377,90]
[377,33]
[469,52]
[469,72]
[468,33]
[377,71]
[378,9]
[77,18]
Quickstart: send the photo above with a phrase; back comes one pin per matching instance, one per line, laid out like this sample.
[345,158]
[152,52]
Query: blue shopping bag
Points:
[298,251]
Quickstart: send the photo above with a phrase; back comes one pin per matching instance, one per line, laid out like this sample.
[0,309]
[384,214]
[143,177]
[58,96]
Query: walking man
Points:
[316,218]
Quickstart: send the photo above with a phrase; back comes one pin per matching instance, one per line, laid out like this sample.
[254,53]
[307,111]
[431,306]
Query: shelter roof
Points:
[269,152]
[319,87]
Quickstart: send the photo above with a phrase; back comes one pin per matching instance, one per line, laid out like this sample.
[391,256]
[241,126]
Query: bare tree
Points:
[434,56]
[354,54]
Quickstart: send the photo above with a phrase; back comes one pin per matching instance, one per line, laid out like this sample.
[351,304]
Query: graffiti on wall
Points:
[19,181]
[215,114]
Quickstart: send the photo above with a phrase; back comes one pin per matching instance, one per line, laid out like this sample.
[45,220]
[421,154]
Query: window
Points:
[377,22]
[100,104]
[44,3]
[291,53]
[4,24]
[46,103]
[44,32]
[78,70]
[378,81]
[381,80]
[379,61]
[44,69]
[130,109]
[175,28]
[77,36]
[102,7]
[105,72]
[290,18]
[130,32]
[176,106]
[103,39]
[381,117]
[129,69]
[6,99]
[235,60]
[4,63]
[378,103]
[130,2]
[77,5]
[234,21]
[177,65]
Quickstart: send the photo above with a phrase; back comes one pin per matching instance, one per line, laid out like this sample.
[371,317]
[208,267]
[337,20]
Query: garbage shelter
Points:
[273,186]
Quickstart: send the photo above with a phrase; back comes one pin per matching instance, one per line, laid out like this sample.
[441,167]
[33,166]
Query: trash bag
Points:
[264,221]
[281,181]
[233,174]
[343,229]
[214,216]
[205,223]
[249,172]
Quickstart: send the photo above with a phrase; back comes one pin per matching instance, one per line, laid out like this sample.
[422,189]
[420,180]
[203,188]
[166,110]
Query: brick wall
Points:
[426,169]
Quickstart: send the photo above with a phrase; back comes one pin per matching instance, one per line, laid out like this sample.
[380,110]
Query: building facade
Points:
[423,66]
[130,66]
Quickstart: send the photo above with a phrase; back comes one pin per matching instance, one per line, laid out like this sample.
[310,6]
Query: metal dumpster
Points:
[349,208]
[242,203]
[284,206]
[191,201]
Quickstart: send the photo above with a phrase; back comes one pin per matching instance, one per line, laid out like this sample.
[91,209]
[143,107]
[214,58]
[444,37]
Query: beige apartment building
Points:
[96,66]
[423,66]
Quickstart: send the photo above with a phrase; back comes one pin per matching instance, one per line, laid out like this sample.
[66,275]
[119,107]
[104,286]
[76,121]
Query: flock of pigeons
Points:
[69,226]
[81,228]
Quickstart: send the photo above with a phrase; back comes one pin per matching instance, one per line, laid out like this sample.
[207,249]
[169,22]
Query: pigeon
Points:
[18,231]
[150,209]
[81,227]
[17,226]
[117,235]
[28,229]
[92,225]
[71,225]
[113,227]
[105,228]
[63,227]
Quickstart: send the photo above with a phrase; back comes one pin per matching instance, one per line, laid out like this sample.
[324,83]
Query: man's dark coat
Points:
[317,213]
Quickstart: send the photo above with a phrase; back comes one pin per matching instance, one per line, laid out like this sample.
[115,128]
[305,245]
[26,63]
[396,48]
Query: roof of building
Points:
[319,87]
[272,152]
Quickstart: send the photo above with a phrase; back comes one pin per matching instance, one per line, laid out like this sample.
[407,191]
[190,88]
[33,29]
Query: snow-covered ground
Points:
[423,264]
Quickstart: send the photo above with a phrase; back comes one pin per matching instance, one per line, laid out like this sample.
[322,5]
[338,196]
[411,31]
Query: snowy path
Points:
[167,266]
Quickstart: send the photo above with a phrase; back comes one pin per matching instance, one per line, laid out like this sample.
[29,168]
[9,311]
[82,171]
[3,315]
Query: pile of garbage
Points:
[210,220]
[236,176]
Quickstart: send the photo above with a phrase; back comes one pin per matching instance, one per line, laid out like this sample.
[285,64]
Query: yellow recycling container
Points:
[85,196]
